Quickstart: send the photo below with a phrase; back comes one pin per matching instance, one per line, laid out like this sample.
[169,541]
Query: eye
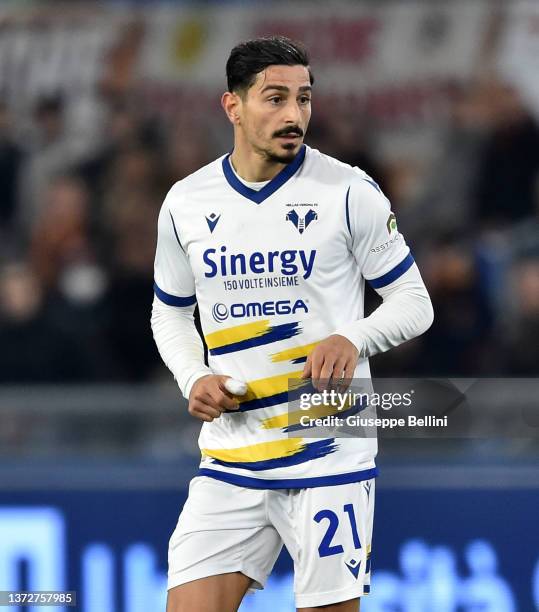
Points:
[305,99]
[275,99]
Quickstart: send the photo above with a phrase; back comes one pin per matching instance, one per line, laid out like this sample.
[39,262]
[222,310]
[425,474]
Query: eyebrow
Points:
[285,89]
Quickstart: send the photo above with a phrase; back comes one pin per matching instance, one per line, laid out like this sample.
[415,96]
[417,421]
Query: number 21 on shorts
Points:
[327,548]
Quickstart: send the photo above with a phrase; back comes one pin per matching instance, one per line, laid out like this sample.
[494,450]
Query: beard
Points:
[281,158]
[285,157]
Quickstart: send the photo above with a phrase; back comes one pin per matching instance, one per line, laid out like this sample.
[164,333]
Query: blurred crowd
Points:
[78,230]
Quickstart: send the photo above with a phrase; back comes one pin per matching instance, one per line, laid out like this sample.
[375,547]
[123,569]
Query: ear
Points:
[231,104]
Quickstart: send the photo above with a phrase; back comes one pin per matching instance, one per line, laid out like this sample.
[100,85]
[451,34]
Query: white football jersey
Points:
[274,272]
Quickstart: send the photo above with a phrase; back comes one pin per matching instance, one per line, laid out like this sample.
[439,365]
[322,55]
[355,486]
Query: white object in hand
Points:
[236,387]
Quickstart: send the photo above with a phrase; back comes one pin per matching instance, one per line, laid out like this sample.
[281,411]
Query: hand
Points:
[333,358]
[209,398]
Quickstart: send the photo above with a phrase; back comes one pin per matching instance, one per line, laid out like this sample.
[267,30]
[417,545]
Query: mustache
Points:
[293,129]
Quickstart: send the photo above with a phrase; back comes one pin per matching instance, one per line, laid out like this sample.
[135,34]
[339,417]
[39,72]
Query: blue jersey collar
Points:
[277,181]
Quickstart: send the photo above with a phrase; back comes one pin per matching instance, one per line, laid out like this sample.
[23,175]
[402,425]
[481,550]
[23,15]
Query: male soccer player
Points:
[274,241]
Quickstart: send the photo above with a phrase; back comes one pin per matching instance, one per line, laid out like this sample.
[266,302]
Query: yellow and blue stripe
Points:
[249,335]
[296,354]
[271,455]
[274,390]
[291,421]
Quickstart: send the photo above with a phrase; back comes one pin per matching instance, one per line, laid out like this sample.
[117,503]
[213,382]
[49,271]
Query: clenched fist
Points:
[209,398]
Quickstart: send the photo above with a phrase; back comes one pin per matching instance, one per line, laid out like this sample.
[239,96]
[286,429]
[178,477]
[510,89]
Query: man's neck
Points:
[252,166]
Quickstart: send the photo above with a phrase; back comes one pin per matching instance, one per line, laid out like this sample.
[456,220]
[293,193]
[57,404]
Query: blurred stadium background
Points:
[103,106]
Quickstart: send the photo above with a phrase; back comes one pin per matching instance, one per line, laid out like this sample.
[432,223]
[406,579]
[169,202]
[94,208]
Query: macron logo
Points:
[212,221]
[367,487]
[353,566]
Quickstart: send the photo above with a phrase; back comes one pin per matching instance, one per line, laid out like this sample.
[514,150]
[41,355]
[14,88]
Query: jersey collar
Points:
[277,181]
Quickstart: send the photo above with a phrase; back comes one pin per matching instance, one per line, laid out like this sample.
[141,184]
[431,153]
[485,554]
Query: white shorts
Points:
[327,531]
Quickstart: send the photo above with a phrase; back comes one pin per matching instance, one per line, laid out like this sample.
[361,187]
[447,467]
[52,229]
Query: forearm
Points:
[406,312]
[179,343]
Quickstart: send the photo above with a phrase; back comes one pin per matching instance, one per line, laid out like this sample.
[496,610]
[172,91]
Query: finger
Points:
[348,374]
[316,366]
[209,411]
[215,402]
[337,374]
[206,403]
[327,370]
[349,370]
[307,369]
[223,401]
[202,416]
[338,368]
[200,408]
[207,399]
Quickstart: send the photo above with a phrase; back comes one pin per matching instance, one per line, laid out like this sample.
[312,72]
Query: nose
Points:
[293,112]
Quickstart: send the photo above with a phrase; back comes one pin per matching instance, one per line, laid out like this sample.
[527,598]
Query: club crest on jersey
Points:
[301,223]
[212,221]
